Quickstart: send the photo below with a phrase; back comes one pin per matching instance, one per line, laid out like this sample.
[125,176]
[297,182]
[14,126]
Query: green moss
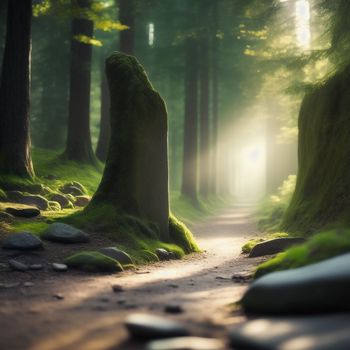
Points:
[182,236]
[35,227]
[93,262]
[247,247]
[322,195]
[321,246]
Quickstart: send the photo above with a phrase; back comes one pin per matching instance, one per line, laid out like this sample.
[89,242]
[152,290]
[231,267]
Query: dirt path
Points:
[90,315]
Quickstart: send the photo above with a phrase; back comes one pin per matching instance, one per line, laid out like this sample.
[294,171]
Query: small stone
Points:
[117,254]
[61,199]
[28,284]
[59,267]
[24,212]
[36,267]
[22,241]
[82,201]
[73,190]
[173,309]
[162,254]
[173,286]
[58,296]
[121,302]
[222,278]
[64,233]
[153,327]
[117,288]
[186,343]
[16,265]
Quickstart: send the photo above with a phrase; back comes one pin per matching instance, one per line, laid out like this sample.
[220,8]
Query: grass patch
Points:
[321,246]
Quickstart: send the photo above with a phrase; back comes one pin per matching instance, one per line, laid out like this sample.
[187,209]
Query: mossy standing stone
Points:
[135,179]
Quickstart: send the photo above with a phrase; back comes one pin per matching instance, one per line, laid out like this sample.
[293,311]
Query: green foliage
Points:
[321,246]
[247,247]
[93,262]
[272,210]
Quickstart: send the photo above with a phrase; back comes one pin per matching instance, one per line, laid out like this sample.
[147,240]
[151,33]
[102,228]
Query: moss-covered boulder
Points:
[322,194]
[135,179]
[92,261]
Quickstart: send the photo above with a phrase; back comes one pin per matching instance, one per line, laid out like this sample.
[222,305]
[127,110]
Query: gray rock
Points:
[35,200]
[22,241]
[59,267]
[274,246]
[153,327]
[117,288]
[64,233]
[321,287]
[36,267]
[117,254]
[16,265]
[296,333]
[162,254]
[186,343]
[82,201]
[61,199]
[23,212]
[71,189]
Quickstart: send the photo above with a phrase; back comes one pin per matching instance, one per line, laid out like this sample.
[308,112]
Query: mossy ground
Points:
[321,246]
[136,237]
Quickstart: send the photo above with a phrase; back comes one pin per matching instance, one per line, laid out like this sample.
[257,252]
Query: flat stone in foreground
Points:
[153,327]
[274,246]
[321,287]
[22,241]
[23,212]
[330,332]
[186,343]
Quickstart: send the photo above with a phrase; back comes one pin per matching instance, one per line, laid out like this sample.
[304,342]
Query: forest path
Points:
[90,315]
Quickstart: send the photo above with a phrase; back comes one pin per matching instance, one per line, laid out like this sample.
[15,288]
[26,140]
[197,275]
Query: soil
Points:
[75,310]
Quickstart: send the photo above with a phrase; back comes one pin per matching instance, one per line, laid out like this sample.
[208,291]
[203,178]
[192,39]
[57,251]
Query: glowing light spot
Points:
[302,18]
[150,34]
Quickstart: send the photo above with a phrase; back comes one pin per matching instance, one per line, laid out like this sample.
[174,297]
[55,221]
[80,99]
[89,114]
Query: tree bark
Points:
[15,156]
[79,147]
[105,128]
[190,149]
[126,16]
[204,119]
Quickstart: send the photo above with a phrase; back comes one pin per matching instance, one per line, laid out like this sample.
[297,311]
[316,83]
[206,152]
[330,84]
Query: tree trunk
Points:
[79,147]
[190,151]
[105,128]
[126,16]
[15,156]
[204,119]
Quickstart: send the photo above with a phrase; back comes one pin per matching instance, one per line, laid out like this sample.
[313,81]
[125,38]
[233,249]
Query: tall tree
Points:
[190,149]
[127,17]
[126,45]
[204,158]
[15,92]
[79,147]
